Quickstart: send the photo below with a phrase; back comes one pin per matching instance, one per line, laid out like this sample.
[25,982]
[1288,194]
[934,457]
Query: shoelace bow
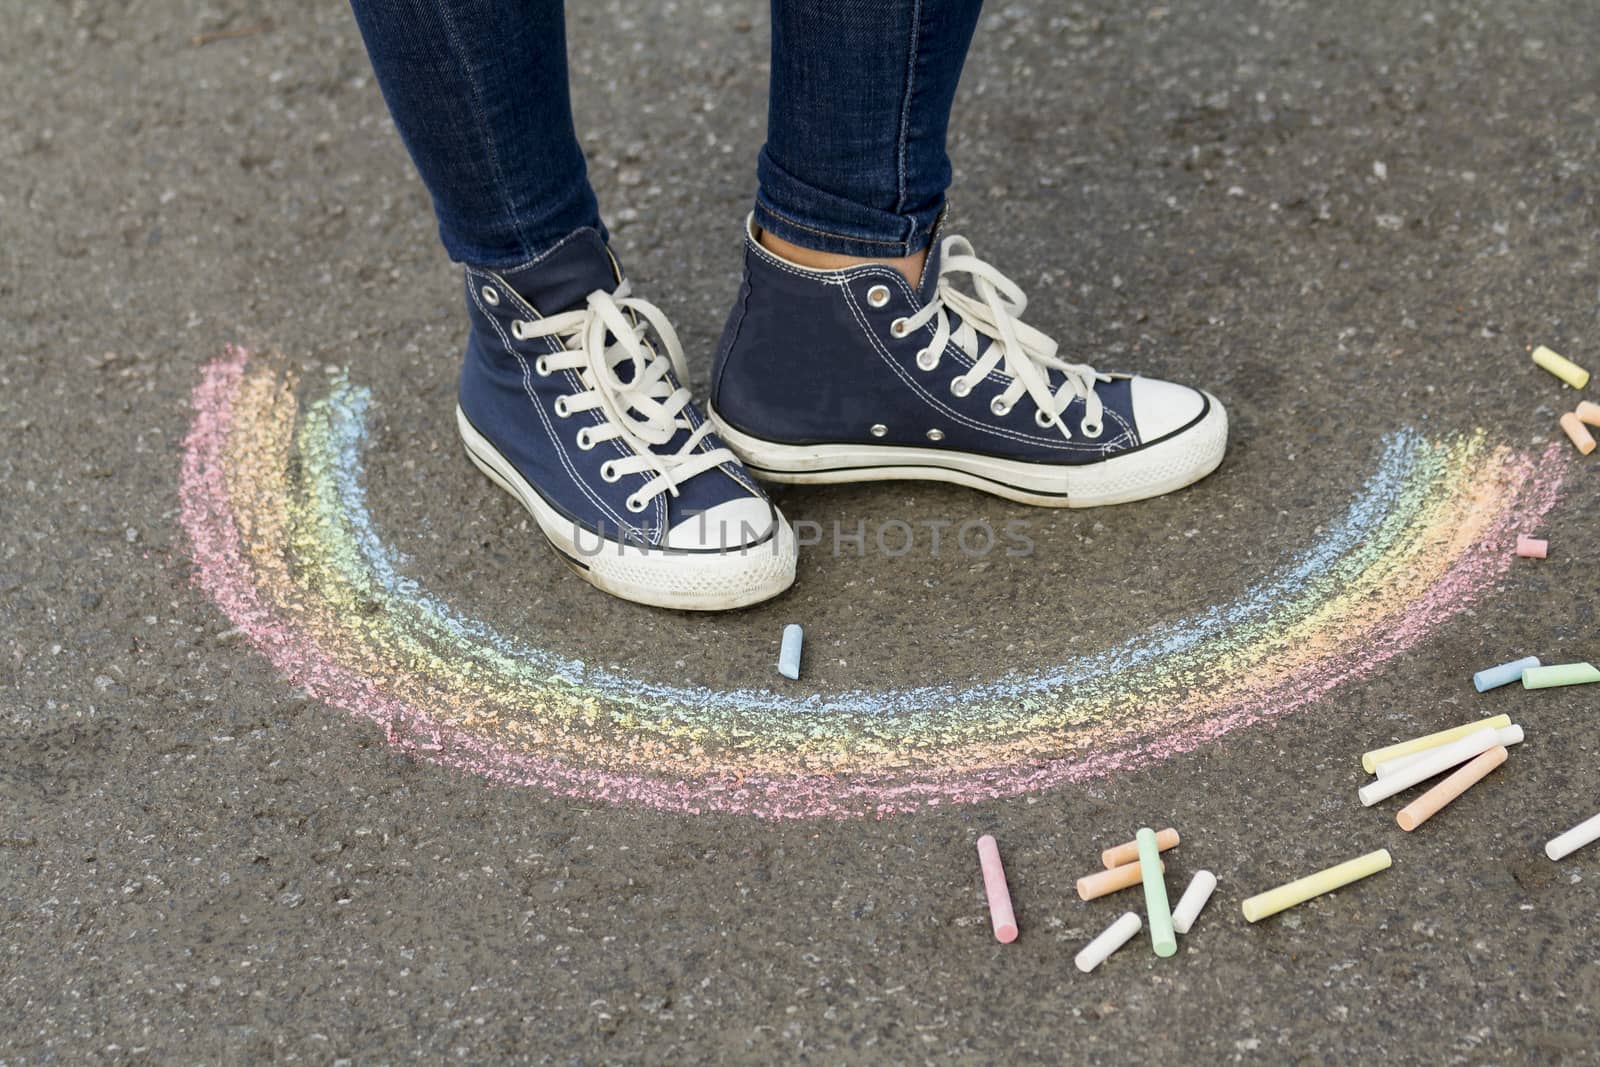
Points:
[1022,353]
[647,409]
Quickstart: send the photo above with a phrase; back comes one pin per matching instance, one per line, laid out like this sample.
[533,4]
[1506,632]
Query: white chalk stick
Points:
[1194,898]
[1110,939]
[1506,735]
[1434,761]
[1569,842]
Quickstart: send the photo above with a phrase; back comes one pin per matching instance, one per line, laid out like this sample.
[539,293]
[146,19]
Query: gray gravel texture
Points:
[1342,218]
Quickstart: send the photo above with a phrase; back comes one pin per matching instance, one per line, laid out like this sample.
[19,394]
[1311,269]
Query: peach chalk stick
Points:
[994,886]
[1370,760]
[1429,804]
[1532,547]
[1100,883]
[1128,851]
[1561,367]
[1578,432]
[1505,737]
[1588,413]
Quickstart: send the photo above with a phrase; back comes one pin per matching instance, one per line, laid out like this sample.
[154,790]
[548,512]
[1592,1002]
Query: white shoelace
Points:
[1019,351]
[646,410]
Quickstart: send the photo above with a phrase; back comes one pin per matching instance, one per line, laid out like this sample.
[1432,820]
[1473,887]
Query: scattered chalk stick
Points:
[1201,886]
[1561,367]
[1156,909]
[994,887]
[789,654]
[1505,737]
[1434,761]
[1494,677]
[1577,432]
[1107,941]
[1582,834]
[1128,851]
[1532,547]
[1433,801]
[1301,890]
[1588,413]
[1559,674]
[1370,760]
[1098,884]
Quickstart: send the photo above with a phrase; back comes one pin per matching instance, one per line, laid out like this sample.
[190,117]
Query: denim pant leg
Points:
[859,103]
[478,89]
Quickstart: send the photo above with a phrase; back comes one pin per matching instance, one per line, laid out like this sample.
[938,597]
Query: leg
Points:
[564,402]
[478,89]
[857,350]
[855,163]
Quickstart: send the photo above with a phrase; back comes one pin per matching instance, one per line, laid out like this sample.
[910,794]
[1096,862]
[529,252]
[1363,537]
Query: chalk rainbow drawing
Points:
[274,506]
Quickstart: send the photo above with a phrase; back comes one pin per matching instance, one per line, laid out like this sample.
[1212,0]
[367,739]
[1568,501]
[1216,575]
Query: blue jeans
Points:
[858,106]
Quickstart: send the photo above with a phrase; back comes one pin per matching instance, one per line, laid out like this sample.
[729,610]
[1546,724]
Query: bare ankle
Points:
[910,266]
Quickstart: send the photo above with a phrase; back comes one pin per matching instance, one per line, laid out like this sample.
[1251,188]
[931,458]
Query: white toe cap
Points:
[1159,407]
[730,525]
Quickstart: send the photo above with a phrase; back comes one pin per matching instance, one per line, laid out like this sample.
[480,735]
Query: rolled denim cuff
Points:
[823,222]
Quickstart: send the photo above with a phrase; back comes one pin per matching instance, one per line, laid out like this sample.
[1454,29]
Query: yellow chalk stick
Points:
[1314,885]
[1370,760]
[1579,434]
[1561,367]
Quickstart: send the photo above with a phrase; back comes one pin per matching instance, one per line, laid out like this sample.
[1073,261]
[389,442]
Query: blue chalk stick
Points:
[789,655]
[1505,674]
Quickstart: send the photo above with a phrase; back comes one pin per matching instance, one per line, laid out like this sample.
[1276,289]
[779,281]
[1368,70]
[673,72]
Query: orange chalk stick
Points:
[1578,432]
[1428,804]
[1589,413]
[1100,883]
[1128,851]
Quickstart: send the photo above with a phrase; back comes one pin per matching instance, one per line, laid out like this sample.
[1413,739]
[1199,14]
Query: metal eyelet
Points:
[898,328]
[491,295]
[1044,418]
[585,442]
[1092,430]
[562,411]
[878,429]
[635,505]
[960,386]
[927,359]
[999,407]
[608,471]
[541,366]
[519,329]
[878,295]
[936,435]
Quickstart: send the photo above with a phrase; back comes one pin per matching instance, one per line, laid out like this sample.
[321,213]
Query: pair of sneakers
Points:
[571,399]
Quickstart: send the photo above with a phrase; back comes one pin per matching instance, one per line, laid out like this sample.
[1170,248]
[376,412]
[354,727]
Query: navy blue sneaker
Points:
[852,375]
[568,404]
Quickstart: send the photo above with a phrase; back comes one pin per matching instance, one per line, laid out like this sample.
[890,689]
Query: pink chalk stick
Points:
[1532,547]
[994,885]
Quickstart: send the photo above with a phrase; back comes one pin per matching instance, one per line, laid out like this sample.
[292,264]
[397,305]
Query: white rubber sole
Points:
[1171,463]
[662,578]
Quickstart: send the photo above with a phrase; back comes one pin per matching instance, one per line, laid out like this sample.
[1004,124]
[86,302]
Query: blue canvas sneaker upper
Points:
[609,439]
[860,356]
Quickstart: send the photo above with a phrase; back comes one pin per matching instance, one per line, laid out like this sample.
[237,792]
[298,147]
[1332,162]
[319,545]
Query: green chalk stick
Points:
[1162,939]
[1559,674]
